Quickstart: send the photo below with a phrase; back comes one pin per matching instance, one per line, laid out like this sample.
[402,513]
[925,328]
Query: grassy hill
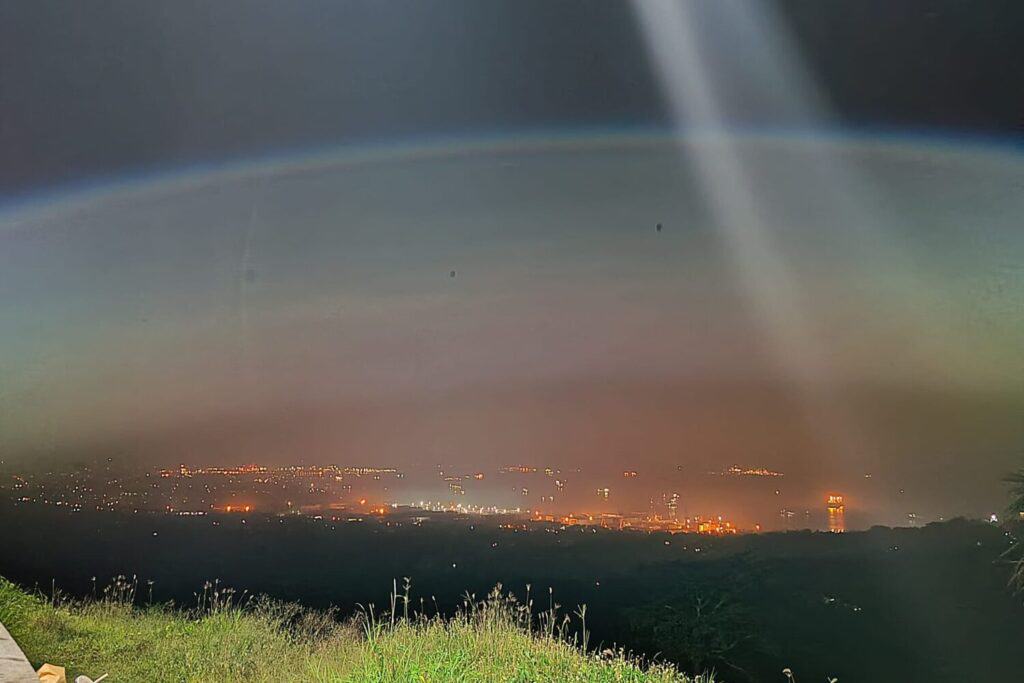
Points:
[224,638]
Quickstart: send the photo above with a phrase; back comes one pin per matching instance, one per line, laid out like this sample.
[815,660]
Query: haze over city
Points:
[306,311]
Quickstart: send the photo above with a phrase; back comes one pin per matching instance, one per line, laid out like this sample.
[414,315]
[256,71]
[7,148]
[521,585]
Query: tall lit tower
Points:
[836,514]
[673,505]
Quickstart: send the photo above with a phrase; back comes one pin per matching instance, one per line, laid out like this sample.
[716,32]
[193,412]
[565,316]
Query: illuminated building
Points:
[836,514]
[672,503]
[737,471]
[715,527]
[610,521]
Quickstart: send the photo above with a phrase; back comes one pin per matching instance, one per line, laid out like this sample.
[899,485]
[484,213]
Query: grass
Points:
[227,637]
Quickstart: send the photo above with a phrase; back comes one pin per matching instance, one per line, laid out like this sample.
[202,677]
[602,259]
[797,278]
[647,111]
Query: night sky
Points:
[409,232]
[120,86]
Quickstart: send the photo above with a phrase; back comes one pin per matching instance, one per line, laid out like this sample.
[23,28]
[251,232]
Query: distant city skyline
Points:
[656,500]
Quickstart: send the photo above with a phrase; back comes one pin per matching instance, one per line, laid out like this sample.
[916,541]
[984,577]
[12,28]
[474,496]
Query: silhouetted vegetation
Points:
[1015,553]
[920,604]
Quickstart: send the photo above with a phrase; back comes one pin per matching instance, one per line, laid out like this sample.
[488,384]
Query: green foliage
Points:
[229,639]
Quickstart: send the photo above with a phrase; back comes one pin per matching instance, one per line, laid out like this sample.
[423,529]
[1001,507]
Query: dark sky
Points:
[107,87]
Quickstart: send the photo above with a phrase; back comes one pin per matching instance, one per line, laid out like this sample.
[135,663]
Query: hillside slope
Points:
[266,641]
